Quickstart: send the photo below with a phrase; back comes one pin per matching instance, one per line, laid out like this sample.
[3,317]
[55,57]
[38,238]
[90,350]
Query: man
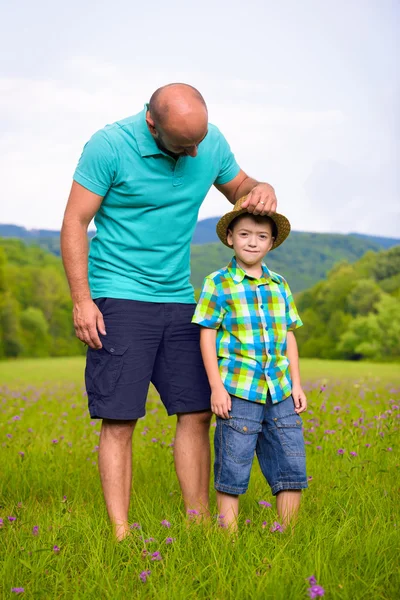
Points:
[144,179]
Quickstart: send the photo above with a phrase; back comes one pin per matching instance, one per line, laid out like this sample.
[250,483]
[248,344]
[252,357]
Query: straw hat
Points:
[281,222]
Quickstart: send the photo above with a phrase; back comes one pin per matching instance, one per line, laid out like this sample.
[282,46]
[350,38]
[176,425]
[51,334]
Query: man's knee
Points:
[196,420]
[118,430]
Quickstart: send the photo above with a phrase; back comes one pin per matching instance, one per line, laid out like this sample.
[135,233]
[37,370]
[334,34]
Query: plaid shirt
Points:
[252,317]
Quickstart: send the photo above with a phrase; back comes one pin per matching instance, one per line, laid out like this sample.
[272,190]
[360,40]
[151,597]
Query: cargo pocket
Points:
[291,434]
[241,438]
[104,367]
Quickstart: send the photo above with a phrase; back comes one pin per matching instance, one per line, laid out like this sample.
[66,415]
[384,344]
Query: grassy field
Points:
[54,535]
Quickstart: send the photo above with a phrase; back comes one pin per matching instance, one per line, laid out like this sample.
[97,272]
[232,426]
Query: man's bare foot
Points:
[121,531]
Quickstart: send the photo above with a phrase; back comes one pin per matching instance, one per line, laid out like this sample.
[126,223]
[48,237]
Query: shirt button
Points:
[112,349]
[262,306]
[266,329]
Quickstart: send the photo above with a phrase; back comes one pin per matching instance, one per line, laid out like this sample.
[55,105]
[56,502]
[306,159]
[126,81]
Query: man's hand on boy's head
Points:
[221,403]
[261,200]
[299,398]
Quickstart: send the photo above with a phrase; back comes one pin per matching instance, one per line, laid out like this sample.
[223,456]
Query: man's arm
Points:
[261,199]
[81,207]
[220,399]
[299,397]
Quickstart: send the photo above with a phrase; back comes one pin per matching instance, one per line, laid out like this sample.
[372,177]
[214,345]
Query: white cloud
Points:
[46,122]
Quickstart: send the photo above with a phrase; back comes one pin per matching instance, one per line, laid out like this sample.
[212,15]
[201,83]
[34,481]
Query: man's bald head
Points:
[178,118]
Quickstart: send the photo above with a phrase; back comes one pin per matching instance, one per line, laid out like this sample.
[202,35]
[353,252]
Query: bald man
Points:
[143,179]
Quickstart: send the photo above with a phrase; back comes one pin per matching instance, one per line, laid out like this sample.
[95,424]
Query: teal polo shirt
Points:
[141,250]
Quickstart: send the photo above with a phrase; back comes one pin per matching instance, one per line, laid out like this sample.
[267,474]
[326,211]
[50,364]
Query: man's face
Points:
[178,139]
[178,146]
[250,240]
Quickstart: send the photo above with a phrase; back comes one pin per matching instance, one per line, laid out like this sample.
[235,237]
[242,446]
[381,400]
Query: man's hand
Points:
[88,320]
[300,400]
[221,402]
[261,200]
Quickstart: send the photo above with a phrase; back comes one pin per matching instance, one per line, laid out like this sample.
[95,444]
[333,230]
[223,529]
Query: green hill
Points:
[35,306]
[303,259]
[355,312]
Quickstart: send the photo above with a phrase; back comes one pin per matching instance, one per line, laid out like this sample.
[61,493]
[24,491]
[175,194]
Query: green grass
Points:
[347,535]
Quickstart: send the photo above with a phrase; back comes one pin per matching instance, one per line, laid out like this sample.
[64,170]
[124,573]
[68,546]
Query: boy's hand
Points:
[300,400]
[221,403]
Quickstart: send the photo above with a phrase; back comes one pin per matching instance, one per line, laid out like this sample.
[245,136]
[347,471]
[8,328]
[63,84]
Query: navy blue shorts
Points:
[146,342]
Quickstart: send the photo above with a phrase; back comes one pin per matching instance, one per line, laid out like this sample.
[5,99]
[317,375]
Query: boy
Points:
[247,317]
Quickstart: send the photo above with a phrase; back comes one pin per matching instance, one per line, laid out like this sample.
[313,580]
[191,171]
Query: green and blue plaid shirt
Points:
[252,317]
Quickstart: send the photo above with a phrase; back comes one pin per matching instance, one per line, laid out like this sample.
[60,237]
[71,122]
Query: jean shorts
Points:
[273,432]
[146,342]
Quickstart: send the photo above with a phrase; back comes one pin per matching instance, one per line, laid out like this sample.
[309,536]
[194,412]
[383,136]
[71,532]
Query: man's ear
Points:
[150,124]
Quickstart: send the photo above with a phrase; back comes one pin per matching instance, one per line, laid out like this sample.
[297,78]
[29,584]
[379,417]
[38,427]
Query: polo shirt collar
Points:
[238,274]
[145,141]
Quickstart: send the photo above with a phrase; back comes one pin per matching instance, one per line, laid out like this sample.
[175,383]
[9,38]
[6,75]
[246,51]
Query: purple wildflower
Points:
[312,580]
[21,453]
[368,445]
[17,590]
[310,478]
[1,523]
[144,575]
[56,550]
[247,521]
[316,590]
[353,453]
[389,449]
[9,436]
[170,540]
[11,519]
[154,440]
[54,441]
[156,556]
[341,451]
[135,526]
[165,523]
[264,503]
[149,540]
[35,530]
[16,418]
[318,447]
[276,527]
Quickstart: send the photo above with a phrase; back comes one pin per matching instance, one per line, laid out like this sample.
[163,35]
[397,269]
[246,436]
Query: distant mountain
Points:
[304,259]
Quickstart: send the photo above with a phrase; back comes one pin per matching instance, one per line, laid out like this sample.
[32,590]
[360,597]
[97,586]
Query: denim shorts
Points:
[273,432]
[146,342]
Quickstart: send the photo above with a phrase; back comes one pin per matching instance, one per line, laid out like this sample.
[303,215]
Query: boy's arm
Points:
[220,399]
[299,397]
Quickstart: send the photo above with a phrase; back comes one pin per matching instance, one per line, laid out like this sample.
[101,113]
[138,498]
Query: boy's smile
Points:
[251,241]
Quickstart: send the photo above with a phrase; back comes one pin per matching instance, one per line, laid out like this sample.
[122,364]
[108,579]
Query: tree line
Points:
[353,314]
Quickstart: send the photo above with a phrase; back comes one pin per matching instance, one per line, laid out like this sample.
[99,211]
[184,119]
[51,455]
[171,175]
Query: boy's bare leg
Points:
[192,460]
[115,466]
[228,510]
[287,505]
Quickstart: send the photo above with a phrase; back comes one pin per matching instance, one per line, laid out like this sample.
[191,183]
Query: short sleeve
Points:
[97,165]
[209,312]
[228,165]
[293,320]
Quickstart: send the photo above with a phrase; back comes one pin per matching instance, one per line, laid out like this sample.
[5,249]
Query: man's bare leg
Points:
[115,466]
[287,505]
[192,460]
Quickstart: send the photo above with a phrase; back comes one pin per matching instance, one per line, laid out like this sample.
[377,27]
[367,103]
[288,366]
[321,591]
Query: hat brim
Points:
[281,222]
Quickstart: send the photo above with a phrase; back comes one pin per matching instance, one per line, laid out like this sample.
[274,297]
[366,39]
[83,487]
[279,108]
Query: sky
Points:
[307,94]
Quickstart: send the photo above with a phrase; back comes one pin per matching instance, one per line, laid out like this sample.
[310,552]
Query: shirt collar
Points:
[146,142]
[238,274]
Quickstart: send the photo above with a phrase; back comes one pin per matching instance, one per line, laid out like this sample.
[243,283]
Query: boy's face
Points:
[251,241]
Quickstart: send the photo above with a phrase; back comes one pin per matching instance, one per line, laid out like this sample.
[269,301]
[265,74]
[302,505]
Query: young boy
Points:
[247,317]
